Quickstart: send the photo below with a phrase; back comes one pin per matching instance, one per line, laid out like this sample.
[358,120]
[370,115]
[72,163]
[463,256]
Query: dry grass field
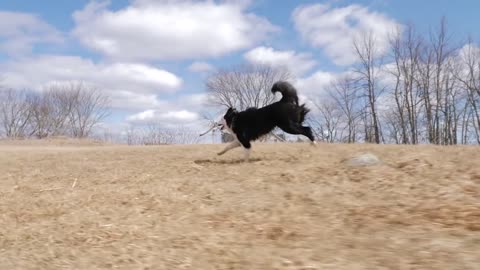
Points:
[83,206]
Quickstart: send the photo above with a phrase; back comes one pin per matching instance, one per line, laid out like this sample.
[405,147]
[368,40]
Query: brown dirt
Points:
[293,207]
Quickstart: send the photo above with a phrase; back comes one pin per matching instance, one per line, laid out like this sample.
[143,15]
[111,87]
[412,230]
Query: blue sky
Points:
[151,56]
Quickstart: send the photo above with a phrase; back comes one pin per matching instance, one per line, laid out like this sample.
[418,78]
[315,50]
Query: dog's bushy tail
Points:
[303,110]
[289,93]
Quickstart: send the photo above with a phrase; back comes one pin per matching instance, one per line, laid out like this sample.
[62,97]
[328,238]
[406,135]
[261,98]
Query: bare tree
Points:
[329,120]
[131,135]
[51,110]
[367,52]
[454,103]
[468,74]
[441,52]
[343,92]
[424,80]
[15,113]
[156,134]
[394,129]
[406,54]
[244,86]
[90,107]
[185,135]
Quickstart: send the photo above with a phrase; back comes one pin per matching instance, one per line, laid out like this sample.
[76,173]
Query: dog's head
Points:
[227,119]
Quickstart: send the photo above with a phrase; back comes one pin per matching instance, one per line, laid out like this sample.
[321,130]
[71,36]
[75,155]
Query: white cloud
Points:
[316,84]
[159,30]
[174,117]
[142,116]
[33,72]
[298,63]
[333,29]
[21,31]
[184,110]
[200,67]
[173,114]
[133,101]
[130,85]
[468,51]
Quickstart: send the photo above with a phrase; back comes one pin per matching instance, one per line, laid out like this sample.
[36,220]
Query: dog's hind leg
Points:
[229,147]
[309,133]
[296,129]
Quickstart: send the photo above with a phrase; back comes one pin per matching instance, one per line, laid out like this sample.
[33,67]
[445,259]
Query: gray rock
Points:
[366,159]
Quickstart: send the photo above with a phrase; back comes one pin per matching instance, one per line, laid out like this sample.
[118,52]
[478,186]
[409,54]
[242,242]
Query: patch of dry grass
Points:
[293,207]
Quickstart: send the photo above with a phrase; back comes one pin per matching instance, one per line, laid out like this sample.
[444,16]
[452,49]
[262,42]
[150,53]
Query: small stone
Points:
[367,159]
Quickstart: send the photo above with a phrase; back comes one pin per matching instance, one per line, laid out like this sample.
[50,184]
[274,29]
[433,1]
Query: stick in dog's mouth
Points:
[210,129]
[214,126]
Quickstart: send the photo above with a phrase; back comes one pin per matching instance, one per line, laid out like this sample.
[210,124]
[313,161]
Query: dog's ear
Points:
[231,110]
[229,114]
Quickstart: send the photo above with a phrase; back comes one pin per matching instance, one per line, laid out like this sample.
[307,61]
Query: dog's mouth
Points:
[221,126]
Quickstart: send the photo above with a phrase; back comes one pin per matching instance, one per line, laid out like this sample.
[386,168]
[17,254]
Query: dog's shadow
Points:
[225,161]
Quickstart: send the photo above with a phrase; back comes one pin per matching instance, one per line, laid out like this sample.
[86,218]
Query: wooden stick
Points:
[214,125]
[74,183]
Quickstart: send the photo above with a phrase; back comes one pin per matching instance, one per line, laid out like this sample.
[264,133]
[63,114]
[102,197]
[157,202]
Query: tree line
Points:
[156,134]
[75,110]
[67,109]
[424,90]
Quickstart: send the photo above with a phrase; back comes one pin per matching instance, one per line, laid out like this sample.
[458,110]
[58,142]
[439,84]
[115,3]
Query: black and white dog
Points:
[252,123]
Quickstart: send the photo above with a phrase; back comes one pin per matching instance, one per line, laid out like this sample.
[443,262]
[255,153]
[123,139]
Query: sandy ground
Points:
[293,207]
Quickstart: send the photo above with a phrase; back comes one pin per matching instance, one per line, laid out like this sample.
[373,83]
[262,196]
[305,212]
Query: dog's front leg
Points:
[229,147]
[247,147]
